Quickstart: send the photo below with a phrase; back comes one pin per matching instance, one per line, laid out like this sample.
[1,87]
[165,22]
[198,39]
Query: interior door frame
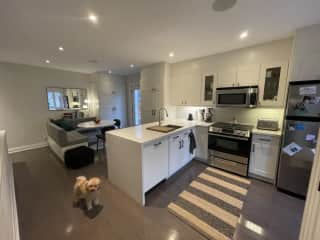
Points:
[131,88]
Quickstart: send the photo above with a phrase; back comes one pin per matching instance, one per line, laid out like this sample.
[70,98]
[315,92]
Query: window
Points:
[55,99]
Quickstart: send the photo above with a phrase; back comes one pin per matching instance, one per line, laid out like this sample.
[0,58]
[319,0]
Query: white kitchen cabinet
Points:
[227,77]
[179,154]
[175,153]
[248,75]
[264,156]
[273,84]
[202,143]
[155,163]
[187,156]
[185,86]
[208,89]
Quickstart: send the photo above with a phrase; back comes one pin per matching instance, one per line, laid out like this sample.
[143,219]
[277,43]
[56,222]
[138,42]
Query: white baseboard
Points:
[28,147]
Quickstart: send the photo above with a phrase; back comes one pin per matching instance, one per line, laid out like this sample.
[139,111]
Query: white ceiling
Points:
[139,31]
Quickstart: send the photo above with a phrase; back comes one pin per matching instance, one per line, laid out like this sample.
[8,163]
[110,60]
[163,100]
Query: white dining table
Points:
[94,125]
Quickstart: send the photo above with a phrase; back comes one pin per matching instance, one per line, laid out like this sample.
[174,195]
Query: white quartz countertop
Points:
[267,132]
[141,134]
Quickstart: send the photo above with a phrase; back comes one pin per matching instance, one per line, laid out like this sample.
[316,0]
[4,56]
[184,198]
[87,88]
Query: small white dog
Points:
[88,190]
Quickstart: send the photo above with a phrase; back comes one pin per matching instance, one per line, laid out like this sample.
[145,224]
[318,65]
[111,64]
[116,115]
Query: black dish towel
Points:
[193,143]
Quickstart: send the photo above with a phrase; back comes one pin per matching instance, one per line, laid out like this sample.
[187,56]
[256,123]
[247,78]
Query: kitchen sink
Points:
[164,128]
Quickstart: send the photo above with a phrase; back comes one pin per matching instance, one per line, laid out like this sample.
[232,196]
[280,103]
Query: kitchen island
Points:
[139,158]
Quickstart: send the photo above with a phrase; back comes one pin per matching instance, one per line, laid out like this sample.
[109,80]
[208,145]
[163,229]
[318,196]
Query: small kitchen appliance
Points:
[268,124]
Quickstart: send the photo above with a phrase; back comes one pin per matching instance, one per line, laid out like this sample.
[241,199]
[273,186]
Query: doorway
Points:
[136,107]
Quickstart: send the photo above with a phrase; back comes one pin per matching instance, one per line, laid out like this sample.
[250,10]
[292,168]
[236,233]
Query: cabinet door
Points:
[175,154]
[155,163]
[264,156]
[227,77]
[248,75]
[272,84]
[207,89]
[202,143]
[149,105]
[187,156]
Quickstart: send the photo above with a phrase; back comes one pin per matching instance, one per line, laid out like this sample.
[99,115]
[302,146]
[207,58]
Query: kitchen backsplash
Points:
[242,115]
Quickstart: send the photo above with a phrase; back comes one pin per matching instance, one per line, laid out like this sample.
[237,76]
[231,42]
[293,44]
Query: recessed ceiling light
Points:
[110,71]
[171,54]
[243,35]
[61,49]
[93,18]
[47,61]
[132,65]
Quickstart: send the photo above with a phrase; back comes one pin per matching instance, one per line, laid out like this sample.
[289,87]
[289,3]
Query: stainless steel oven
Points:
[237,97]
[229,148]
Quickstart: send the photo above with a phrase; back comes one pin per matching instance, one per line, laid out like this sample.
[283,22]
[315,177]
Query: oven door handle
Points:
[231,137]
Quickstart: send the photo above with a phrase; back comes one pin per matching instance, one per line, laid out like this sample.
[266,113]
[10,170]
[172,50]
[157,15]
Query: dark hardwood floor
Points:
[44,198]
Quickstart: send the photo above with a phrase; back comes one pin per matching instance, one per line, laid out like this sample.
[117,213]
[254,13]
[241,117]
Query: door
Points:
[296,159]
[134,108]
[175,154]
[207,90]
[272,84]
[227,77]
[304,99]
[310,227]
[248,75]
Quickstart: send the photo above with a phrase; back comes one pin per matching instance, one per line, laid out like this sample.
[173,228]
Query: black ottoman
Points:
[78,157]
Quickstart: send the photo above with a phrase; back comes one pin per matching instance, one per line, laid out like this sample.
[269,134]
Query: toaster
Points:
[268,124]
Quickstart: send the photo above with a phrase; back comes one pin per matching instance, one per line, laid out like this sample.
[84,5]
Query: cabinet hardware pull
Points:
[180,144]
[264,140]
[157,144]
[175,137]
[253,145]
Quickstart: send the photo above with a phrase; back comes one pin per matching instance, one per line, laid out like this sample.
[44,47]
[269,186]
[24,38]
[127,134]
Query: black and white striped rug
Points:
[212,203]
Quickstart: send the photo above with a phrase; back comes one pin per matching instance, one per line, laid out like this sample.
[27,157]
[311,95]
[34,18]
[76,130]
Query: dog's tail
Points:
[81,178]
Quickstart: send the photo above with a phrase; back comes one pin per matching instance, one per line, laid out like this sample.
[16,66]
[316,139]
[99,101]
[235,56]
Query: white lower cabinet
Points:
[264,156]
[202,143]
[155,163]
[179,154]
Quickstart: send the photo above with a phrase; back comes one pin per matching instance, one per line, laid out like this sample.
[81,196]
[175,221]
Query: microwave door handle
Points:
[226,136]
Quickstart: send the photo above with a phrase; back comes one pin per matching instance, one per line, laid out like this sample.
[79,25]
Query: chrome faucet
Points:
[164,109]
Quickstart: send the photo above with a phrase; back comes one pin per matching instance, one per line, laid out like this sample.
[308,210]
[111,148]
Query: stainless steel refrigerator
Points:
[302,122]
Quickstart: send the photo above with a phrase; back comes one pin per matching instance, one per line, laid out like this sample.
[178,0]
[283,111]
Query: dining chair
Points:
[117,122]
[102,135]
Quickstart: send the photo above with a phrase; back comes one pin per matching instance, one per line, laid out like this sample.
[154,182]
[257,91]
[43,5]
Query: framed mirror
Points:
[60,99]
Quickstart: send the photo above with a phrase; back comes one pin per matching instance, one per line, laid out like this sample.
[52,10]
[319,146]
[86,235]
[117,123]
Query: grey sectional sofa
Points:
[62,137]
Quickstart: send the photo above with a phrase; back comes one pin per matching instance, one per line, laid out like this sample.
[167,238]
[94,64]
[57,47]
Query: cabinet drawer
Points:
[230,166]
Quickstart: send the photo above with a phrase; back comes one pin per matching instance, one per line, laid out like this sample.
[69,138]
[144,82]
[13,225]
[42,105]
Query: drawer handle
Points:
[175,137]
[157,144]
[253,146]
[264,140]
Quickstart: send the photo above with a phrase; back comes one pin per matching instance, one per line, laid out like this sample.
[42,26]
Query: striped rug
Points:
[212,203]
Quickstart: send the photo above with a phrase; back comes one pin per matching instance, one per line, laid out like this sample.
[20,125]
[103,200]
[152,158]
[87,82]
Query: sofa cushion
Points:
[66,124]
[74,137]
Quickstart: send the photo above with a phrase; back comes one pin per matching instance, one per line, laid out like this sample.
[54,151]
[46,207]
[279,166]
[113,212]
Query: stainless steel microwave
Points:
[237,97]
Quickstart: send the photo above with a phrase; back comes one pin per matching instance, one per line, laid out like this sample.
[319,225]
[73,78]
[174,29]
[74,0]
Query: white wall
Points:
[276,51]
[23,100]
[111,91]
[306,54]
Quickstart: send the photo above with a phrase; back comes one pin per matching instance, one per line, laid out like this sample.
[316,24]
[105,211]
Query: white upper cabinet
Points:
[248,75]
[208,89]
[272,84]
[185,86]
[243,75]
[227,77]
